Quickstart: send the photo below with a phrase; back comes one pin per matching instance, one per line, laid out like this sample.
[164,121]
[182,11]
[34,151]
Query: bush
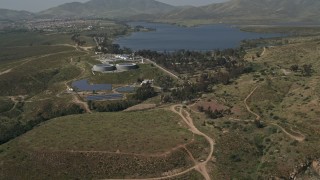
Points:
[145,92]
[111,106]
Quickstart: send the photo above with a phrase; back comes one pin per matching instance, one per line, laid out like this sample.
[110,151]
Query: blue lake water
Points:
[105,97]
[83,85]
[202,38]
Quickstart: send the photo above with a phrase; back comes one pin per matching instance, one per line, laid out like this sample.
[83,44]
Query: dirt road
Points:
[26,60]
[299,137]
[201,167]
[163,69]
[76,98]
[247,106]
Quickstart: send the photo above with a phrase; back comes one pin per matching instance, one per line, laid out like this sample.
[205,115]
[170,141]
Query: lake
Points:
[202,38]
[126,89]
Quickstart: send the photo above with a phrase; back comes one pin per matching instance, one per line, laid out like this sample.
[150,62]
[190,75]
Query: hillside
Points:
[252,11]
[6,14]
[108,9]
[100,145]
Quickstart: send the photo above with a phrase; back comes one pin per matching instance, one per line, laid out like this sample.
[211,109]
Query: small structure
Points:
[122,56]
[69,89]
[147,81]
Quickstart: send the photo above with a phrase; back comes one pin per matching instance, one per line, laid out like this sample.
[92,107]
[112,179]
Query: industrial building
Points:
[126,66]
[103,68]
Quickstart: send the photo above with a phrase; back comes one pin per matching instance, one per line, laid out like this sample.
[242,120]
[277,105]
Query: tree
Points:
[294,68]
[307,69]
[145,92]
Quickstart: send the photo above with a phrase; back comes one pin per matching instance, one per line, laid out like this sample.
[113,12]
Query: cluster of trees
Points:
[12,127]
[165,82]
[214,114]
[189,62]
[142,93]
[111,106]
[145,92]
[107,47]
[306,69]
[187,91]
[219,66]
[76,38]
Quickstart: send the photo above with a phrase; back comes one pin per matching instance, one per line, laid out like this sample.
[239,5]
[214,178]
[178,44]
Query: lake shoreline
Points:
[170,38]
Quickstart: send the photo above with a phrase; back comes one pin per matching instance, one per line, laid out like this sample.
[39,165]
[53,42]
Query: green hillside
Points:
[97,146]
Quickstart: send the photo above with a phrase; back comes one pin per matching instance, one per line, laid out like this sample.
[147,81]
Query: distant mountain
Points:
[252,11]
[6,14]
[115,9]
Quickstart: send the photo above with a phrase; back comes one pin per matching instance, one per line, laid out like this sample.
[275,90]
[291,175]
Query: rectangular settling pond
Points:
[83,85]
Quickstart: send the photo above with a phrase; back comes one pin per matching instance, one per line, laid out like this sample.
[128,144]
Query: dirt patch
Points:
[140,107]
[213,105]
[316,166]
[5,72]
[285,72]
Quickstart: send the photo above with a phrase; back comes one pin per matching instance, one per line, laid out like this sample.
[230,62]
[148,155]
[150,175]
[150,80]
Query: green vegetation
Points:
[145,92]
[36,74]
[26,38]
[282,94]
[145,71]
[34,78]
[111,106]
[18,53]
[262,104]
[5,104]
[107,139]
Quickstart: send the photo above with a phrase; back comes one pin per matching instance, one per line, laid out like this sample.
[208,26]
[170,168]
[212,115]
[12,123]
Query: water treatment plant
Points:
[105,68]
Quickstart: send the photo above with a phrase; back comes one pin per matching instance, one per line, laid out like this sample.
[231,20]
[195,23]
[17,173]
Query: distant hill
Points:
[6,14]
[252,11]
[115,9]
[233,11]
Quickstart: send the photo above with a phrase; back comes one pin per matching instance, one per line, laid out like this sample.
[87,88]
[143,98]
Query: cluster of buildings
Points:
[49,25]
[117,63]
[110,58]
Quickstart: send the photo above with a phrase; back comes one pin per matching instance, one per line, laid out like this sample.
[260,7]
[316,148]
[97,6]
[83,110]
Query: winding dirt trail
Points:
[76,100]
[6,71]
[263,52]
[299,137]
[258,117]
[201,167]
[26,60]
[76,97]
[181,146]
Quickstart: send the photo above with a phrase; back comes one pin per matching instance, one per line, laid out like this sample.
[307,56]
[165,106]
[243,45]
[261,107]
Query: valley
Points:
[78,101]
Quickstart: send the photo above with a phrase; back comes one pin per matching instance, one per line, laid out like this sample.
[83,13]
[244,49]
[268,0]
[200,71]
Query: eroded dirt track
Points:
[201,167]
[298,137]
